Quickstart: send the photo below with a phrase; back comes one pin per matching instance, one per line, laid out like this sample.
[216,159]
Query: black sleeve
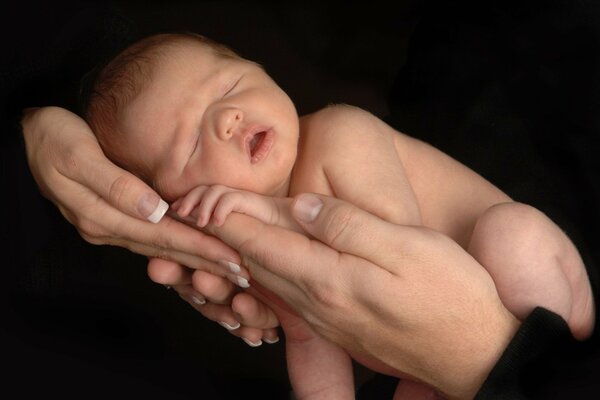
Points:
[538,334]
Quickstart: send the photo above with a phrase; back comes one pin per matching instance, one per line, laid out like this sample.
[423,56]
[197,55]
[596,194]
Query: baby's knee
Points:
[511,227]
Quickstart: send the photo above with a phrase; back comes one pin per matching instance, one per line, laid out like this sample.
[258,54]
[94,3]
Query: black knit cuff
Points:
[537,334]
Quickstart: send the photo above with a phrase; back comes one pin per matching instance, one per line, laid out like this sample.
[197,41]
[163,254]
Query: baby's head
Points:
[179,111]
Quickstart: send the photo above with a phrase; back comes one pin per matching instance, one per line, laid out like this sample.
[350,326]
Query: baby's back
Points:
[351,154]
[451,196]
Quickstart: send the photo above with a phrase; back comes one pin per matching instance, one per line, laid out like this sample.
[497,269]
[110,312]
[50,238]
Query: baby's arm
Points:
[318,369]
[216,202]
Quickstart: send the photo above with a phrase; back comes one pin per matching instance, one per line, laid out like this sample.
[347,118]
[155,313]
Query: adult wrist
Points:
[541,330]
[486,350]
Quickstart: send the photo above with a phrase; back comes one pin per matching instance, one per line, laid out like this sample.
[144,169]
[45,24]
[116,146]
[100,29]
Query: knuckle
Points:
[161,247]
[89,230]
[327,296]
[329,311]
[162,253]
[217,189]
[119,188]
[95,240]
[337,226]
[232,197]
[66,162]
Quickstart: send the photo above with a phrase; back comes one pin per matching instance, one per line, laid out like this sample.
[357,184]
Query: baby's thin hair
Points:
[107,90]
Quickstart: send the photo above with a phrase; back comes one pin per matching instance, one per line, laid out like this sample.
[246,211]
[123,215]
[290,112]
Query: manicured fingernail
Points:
[239,280]
[229,327]
[233,267]
[307,207]
[152,207]
[198,300]
[252,344]
[271,341]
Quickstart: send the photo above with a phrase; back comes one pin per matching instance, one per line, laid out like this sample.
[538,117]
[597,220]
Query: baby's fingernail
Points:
[152,207]
[252,344]
[175,205]
[233,267]
[229,327]
[307,207]
[239,280]
[271,341]
[198,299]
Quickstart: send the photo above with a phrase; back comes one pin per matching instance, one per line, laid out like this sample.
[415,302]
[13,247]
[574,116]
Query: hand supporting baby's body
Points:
[318,369]
[530,277]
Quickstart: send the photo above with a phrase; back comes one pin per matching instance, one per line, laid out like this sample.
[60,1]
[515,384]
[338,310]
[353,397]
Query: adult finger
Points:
[103,224]
[351,230]
[220,313]
[122,189]
[217,289]
[168,273]
[81,159]
[251,312]
[275,256]
[343,231]
[213,287]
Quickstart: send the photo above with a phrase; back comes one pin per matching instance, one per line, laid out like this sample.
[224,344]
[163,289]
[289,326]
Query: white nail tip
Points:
[198,300]
[159,212]
[233,267]
[229,327]
[252,344]
[242,282]
[271,341]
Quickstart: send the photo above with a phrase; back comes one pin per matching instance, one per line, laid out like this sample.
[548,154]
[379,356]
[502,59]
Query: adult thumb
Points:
[147,203]
[342,225]
[127,193]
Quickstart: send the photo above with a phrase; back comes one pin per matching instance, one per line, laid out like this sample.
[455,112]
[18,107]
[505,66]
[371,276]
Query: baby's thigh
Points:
[533,263]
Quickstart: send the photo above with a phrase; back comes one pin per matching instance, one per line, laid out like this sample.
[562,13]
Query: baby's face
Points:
[206,120]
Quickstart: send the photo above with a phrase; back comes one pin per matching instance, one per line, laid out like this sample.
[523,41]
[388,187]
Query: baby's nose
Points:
[228,122]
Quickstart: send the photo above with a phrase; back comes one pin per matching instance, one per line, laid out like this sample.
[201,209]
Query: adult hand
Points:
[242,313]
[107,204]
[406,296]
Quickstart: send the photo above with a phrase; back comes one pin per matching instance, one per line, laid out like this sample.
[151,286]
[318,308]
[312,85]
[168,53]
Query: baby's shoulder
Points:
[340,125]
[336,117]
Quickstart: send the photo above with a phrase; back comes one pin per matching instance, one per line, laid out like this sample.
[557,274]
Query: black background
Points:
[510,89]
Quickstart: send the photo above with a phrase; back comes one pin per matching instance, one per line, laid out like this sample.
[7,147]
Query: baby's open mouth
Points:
[256,142]
[260,144]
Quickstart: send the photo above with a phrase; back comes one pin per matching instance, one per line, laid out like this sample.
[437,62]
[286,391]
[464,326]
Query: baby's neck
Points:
[284,189]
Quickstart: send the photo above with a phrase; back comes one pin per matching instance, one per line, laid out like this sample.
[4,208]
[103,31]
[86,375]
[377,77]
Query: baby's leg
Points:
[533,263]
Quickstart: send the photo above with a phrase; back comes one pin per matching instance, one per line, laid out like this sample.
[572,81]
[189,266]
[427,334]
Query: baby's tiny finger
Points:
[191,200]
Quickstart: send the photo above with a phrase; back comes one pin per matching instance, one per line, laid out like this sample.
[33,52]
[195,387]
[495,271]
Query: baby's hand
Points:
[218,201]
